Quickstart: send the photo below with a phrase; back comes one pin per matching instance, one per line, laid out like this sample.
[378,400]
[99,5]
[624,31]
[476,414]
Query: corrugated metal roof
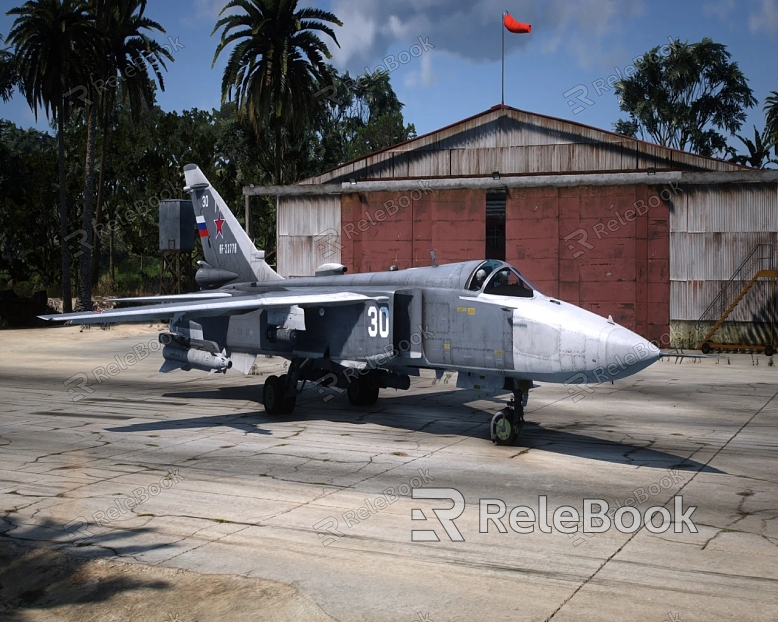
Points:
[515,142]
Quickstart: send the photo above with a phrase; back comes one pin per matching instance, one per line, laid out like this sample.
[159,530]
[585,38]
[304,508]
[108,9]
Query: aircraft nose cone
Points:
[628,352]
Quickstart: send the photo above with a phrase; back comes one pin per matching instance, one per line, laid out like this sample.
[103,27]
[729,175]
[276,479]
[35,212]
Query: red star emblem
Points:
[219,222]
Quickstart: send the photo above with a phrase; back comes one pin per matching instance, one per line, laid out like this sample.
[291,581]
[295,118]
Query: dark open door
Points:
[495,225]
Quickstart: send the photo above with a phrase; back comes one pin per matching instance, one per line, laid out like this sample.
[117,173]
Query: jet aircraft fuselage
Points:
[365,332]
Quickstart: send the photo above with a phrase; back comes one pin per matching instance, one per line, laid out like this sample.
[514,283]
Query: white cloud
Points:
[766,17]
[208,9]
[719,8]
[425,76]
[585,29]
[358,34]
[472,30]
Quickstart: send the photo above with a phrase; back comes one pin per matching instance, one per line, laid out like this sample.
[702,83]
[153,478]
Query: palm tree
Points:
[7,74]
[277,62]
[133,63]
[771,113]
[50,38]
[758,150]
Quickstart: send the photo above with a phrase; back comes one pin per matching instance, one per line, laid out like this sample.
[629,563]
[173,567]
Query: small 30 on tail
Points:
[230,255]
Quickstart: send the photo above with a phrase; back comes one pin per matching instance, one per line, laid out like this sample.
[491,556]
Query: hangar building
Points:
[655,237]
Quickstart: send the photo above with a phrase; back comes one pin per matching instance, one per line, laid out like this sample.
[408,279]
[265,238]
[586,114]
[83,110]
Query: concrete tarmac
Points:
[105,460]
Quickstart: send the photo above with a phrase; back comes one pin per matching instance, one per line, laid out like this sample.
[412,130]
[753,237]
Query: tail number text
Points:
[379,321]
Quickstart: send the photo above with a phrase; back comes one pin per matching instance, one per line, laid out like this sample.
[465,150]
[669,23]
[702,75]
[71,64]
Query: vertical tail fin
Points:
[228,250]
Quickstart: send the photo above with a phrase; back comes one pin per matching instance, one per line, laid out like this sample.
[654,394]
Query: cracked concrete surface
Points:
[254,486]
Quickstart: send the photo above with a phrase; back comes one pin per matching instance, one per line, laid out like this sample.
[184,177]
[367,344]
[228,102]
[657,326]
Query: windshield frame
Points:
[493,266]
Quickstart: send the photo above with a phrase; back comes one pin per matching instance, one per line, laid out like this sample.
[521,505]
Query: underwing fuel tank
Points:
[196,359]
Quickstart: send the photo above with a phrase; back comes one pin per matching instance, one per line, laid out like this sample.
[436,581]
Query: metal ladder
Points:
[758,263]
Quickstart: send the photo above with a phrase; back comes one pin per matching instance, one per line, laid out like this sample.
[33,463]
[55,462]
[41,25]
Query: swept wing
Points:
[237,304]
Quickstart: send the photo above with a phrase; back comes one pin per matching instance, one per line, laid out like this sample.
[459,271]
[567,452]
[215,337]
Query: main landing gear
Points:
[279,398]
[508,422]
[362,391]
[280,392]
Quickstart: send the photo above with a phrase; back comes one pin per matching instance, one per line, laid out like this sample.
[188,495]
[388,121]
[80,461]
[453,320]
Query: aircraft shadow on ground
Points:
[38,577]
[419,413]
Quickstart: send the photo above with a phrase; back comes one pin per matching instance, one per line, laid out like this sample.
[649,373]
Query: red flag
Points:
[514,26]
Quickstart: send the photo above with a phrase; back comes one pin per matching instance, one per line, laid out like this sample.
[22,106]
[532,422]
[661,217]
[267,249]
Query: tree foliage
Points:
[758,155]
[277,61]
[29,223]
[771,118]
[145,165]
[360,116]
[7,73]
[687,99]
[51,39]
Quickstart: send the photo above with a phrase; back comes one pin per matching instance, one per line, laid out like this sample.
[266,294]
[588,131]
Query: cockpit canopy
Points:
[498,278]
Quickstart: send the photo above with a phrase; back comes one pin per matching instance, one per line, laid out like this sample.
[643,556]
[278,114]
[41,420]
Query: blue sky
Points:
[574,42]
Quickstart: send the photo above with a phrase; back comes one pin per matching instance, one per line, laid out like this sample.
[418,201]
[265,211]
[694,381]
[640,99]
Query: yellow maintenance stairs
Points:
[769,348]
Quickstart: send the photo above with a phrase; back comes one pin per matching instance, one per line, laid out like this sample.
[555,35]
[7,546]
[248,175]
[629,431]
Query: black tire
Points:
[289,404]
[361,392]
[769,351]
[705,348]
[504,431]
[354,392]
[290,401]
[273,395]
[369,396]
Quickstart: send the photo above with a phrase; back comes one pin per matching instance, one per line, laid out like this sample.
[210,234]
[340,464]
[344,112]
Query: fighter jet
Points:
[364,332]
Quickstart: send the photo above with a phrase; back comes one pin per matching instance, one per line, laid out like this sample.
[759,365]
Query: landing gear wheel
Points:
[504,430]
[705,348]
[289,404]
[273,395]
[361,393]
[370,396]
[291,400]
[769,351]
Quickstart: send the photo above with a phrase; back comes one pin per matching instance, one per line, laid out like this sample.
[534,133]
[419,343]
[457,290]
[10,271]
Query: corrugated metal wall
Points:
[712,230]
[308,234]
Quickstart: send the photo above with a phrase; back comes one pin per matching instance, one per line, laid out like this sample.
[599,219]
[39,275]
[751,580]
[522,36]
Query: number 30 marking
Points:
[379,322]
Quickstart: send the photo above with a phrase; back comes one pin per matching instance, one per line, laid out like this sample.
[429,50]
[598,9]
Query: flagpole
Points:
[502,30]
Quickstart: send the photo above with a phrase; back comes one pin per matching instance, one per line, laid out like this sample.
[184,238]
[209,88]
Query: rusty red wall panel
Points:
[397,230]
[567,291]
[532,235]
[608,271]
[569,271]
[621,268]
[458,229]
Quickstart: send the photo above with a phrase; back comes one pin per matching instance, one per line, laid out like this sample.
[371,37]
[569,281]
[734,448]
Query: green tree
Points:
[758,155]
[771,114]
[133,64]
[7,74]
[358,117]
[375,117]
[28,195]
[276,64]
[49,38]
[686,98]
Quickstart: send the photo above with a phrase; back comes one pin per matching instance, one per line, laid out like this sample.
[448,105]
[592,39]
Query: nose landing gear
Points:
[508,422]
